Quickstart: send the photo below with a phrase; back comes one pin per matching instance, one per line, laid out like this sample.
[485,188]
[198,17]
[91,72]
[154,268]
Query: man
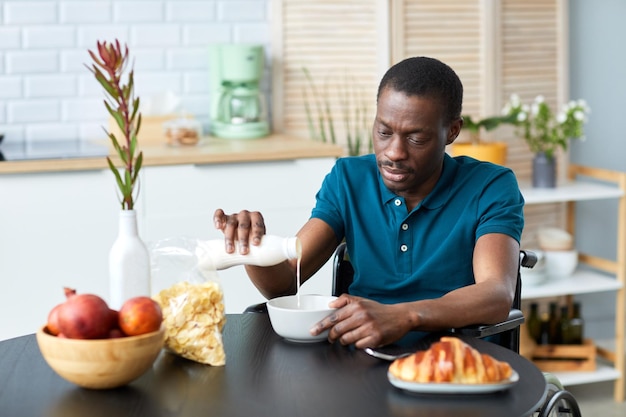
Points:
[434,240]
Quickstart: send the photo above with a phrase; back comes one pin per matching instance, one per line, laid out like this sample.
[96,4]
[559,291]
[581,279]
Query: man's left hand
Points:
[364,323]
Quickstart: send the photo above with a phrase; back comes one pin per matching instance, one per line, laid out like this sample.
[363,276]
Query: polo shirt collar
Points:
[438,196]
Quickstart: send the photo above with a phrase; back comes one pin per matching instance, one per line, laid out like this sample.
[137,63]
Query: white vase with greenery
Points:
[129,259]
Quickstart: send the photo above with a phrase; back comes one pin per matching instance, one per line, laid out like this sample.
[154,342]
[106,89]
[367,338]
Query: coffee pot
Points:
[238,109]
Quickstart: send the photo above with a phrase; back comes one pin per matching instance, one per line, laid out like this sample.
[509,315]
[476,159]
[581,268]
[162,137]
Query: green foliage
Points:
[488,123]
[109,64]
[352,108]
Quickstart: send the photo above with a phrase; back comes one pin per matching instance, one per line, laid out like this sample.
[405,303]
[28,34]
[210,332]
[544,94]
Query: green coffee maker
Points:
[238,105]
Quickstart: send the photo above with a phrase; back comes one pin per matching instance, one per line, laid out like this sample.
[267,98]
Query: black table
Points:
[264,376]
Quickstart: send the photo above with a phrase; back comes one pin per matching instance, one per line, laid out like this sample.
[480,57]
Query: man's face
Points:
[410,136]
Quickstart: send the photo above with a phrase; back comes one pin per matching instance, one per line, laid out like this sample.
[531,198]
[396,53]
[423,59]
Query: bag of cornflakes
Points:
[191,298]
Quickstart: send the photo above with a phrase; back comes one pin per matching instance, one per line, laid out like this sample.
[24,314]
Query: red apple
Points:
[140,315]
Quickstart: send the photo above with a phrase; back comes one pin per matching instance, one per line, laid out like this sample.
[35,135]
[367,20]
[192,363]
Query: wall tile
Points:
[49,37]
[152,59]
[30,12]
[188,59]
[10,38]
[156,82]
[252,32]
[2,115]
[74,60]
[162,35]
[83,109]
[90,34]
[88,86]
[138,11]
[207,34]
[40,86]
[50,131]
[196,82]
[26,111]
[93,130]
[190,11]
[241,11]
[10,87]
[31,62]
[12,133]
[85,12]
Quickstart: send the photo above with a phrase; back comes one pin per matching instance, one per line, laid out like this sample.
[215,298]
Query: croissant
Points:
[450,360]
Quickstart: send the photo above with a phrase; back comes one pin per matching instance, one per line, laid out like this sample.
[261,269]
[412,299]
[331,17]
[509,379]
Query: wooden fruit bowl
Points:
[101,363]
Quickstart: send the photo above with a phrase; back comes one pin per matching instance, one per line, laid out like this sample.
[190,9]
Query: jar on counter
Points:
[182,131]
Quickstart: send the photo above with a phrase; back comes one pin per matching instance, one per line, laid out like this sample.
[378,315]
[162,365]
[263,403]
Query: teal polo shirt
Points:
[400,256]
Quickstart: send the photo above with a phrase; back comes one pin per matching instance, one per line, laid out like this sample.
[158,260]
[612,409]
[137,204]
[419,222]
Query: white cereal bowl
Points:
[294,322]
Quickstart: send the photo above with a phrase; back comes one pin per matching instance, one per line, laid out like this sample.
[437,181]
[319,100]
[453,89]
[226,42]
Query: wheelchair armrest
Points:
[515,319]
[257,308]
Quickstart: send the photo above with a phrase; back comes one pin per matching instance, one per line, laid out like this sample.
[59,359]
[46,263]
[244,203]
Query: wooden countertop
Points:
[210,150]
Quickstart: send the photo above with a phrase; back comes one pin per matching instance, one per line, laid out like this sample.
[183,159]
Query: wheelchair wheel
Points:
[559,403]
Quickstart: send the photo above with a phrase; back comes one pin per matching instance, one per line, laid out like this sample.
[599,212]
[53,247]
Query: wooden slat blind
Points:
[531,49]
[336,40]
[530,63]
[449,30]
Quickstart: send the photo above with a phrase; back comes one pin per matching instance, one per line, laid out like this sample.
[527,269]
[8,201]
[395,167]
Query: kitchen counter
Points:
[210,150]
[60,216]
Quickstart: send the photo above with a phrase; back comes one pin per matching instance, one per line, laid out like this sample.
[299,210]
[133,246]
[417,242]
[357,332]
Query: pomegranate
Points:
[140,315]
[53,316]
[85,316]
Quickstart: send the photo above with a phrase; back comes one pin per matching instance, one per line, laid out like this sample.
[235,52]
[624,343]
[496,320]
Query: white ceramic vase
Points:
[129,263]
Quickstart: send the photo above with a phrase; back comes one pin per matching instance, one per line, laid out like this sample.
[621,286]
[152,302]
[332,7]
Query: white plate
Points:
[445,388]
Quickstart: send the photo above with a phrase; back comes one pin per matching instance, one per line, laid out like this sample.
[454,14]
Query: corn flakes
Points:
[194,319]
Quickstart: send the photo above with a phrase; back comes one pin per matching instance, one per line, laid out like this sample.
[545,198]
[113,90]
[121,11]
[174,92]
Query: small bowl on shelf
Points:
[293,320]
[561,263]
[100,363]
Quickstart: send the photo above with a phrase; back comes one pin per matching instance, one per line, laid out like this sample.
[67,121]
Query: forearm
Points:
[273,281]
[483,303]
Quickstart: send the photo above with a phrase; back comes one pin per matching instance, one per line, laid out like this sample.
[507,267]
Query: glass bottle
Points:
[574,334]
[544,334]
[564,323]
[554,334]
[533,323]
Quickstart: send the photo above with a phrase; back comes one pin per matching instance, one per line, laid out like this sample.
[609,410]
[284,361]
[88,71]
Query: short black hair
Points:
[426,77]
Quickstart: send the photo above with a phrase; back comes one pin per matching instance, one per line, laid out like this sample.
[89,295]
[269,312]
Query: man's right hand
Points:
[244,227]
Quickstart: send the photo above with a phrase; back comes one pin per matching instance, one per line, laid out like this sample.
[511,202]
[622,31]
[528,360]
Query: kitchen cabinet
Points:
[56,230]
[594,274]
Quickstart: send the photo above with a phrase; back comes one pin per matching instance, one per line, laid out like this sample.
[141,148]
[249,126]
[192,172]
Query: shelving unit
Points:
[603,275]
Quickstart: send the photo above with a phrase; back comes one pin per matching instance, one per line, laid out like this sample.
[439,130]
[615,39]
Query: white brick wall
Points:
[47,93]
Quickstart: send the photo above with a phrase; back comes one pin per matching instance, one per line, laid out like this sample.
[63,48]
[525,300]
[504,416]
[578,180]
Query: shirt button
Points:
[404,248]
[398,202]
[405,226]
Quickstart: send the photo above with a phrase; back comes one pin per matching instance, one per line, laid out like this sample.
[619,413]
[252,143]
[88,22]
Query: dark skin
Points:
[410,134]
